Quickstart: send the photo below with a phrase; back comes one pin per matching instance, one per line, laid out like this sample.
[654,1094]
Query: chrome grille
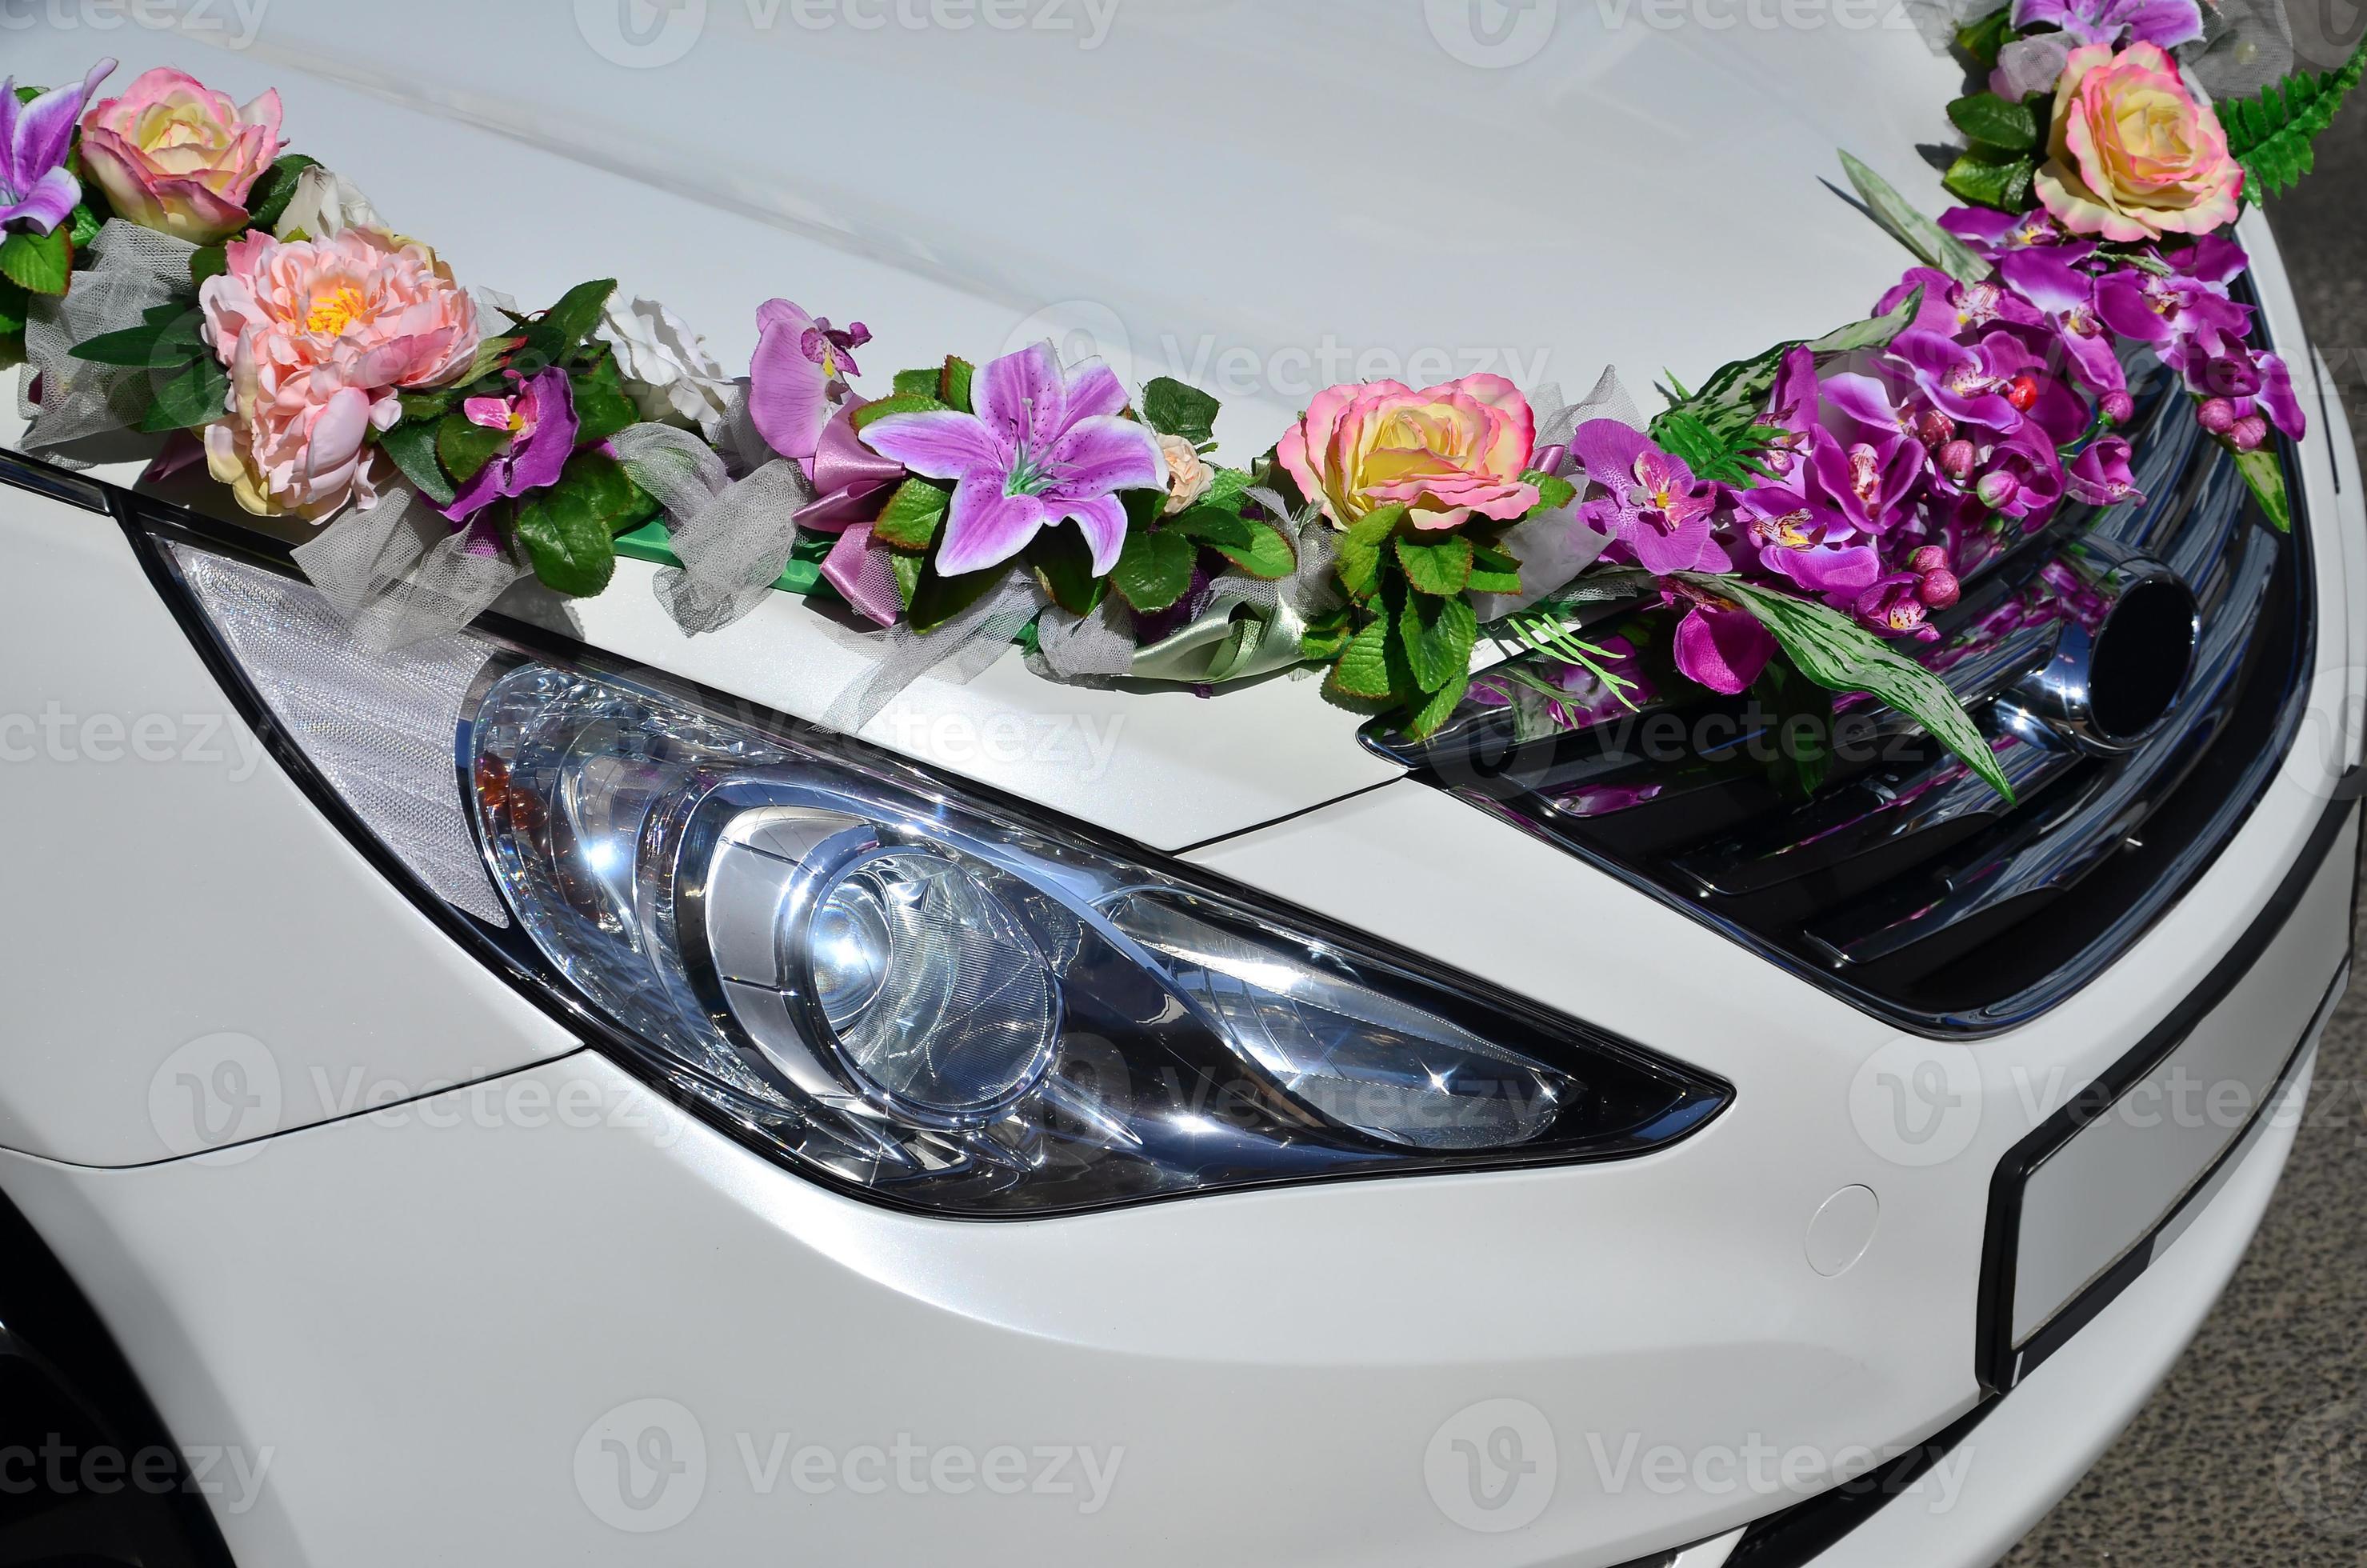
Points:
[1900,880]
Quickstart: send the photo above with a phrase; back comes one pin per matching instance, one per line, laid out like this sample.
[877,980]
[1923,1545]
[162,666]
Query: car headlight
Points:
[893,983]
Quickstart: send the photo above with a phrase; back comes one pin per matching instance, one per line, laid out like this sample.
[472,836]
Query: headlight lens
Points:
[917,994]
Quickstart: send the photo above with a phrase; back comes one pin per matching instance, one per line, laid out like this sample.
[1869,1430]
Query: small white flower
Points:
[325,205]
[1188,478]
[665,367]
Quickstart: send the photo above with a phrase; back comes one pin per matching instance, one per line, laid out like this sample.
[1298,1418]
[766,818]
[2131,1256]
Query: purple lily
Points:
[799,370]
[2167,23]
[2099,475]
[1044,448]
[1719,643]
[38,192]
[1651,503]
[539,416]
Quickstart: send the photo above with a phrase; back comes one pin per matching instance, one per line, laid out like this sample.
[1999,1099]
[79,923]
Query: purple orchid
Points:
[2051,280]
[1895,605]
[2099,475]
[2165,23]
[1651,504]
[1043,449]
[1991,233]
[2192,302]
[1720,645]
[1806,545]
[1956,378]
[1952,309]
[539,416]
[38,192]
[1870,482]
[799,370]
[1791,413]
[2021,476]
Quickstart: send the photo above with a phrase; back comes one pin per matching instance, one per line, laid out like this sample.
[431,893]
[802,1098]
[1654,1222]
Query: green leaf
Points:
[552,337]
[1173,408]
[1438,707]
[913,513]
[1327,636]
[1989,178]
[919,383]
[208,262]
[1359,562]
[1801,713]
[1554,492]
[198,393]
[1993,121]
[1213,526]
[1365,669]
[1721,448]
[1982,40]
[1437,636]
[1493,572]
[41,263]
[2271,133]
[465,447]
[14,304]
[953,383]
[1436,567]
[1154,570]
[267,201]
[569,530]
[1267,556]
[83,226]
[1842,656]
[167,335]
[2264,474]
[601,406]
[908,569]
[903,402]
[1932,243]
[1063,563]
[936,600]
[411,445]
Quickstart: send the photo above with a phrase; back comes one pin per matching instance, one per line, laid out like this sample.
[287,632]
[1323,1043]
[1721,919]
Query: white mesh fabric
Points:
[379,726]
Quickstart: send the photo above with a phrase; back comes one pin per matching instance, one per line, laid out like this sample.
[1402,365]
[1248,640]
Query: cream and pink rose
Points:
[1444,453]
[174,156]
[318,335]
[2131,154]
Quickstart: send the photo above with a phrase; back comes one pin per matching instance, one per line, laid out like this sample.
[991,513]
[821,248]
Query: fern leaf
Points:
[2270,134]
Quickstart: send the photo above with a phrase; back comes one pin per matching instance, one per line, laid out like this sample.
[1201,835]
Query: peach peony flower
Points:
[2132,156]
[174,156]
[318,335]
[1444,453]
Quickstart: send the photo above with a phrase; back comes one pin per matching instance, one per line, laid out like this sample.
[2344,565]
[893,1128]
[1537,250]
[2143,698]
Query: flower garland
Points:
[1809,509]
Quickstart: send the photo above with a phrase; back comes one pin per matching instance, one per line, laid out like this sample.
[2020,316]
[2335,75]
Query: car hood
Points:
[1261,200]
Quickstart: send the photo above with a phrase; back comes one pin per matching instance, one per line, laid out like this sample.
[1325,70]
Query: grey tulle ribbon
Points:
[732,537]
[1558,546]
[398,574]
[132,270]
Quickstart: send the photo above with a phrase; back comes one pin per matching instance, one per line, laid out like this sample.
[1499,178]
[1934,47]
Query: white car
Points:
[409,1107]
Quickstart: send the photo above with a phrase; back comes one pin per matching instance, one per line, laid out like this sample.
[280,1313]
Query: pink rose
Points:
[174,154]
[1444,453]
[318,336]
[2131,155]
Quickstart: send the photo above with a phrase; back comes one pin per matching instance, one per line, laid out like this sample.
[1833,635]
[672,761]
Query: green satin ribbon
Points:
[1228,640]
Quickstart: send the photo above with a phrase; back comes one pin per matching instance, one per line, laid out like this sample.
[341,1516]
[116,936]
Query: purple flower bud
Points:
[1930,558]
[1935,430]
[2217,414]
[1998,489]
[2249,433]
[1938,589]
[2119,407]
[1956,459]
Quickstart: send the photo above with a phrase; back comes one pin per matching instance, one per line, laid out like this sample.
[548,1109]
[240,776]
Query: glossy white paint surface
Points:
[443,1303]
